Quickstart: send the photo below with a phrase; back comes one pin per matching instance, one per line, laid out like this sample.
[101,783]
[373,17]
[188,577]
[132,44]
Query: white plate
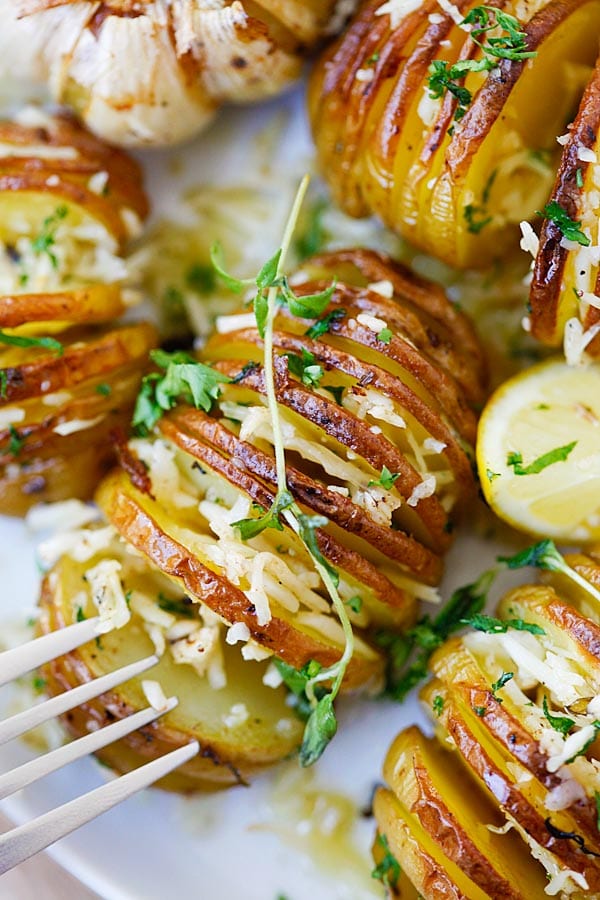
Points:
[257,842]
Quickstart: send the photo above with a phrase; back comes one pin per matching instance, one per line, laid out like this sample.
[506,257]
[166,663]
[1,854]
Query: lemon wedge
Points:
[538,451]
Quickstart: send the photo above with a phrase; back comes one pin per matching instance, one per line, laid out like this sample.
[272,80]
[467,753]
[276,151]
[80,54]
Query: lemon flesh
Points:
[539,415]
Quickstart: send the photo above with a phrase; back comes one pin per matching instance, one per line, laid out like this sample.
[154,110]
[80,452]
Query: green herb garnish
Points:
[177,607]
[250,528]
[409,654]
[354,603]
[475,217]
[385,335]
[305,368]
[19,340]
[388,870]
[201,278]
[497,685]
[511,45]
[544,555]
[559,454]
[438,705]
[568,227]
[46,239]
[16,442]
[490,625]
[561,724]
[323,325]
[104,389]
[183,378]
[386,480]
[273,293]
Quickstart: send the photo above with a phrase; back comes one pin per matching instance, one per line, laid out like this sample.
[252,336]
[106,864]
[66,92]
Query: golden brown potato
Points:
[242,726]
[452,158]
[565,288]
[68,206]
[155,73]
[514,705]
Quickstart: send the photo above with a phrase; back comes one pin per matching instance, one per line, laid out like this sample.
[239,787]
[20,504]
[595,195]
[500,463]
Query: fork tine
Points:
[15,662]
[23,721]
[19,844]
[43,765]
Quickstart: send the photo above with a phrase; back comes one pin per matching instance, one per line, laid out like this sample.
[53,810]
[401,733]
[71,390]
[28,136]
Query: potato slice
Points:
[232,748]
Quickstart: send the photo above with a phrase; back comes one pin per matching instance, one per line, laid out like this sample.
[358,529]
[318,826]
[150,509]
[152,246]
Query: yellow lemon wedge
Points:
[538,451]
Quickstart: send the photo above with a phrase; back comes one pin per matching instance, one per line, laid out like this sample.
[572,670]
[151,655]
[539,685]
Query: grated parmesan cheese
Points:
[107,595]
[155,695]
[425,489]
[237,632]
[237,715]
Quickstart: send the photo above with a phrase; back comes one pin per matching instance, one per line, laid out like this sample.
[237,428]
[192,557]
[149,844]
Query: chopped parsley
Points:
[104,389]
[409,654]
[45,242]
[19,340]
[498,685]
[568,227]
[597,800]
[354,603]
[3,384]
[385,336]
[438,705]
[183,378]
[177,607]
[305,367]
[562,724]
[250,528]
[480,711]
[388,870]
[322,326]
[511,44]
[336,390]
[559,454]
[16,442]
[491,475]
[579,178]
[386,480]
[490,625]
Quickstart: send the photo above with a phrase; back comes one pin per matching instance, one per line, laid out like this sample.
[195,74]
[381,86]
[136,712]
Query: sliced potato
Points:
[241,727]
[455,183]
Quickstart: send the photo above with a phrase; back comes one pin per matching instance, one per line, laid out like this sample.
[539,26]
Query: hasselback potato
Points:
[504,800]
[446,129]
[376,404]
[68,377]
[154,72]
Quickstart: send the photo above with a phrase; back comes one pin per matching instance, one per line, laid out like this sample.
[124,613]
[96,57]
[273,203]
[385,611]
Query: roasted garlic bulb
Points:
[68,206]
[446,130]
[376,405]
[565,289]
[151,72]
[504,801]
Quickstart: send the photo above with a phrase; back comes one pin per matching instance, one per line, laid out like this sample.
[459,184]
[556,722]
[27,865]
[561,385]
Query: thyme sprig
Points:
[320,685]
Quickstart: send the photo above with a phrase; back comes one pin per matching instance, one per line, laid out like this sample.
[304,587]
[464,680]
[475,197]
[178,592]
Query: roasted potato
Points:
[241,724]
[156,73]
[69,204]
[515,708]
[377,442]
[564,297]
[452,163]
